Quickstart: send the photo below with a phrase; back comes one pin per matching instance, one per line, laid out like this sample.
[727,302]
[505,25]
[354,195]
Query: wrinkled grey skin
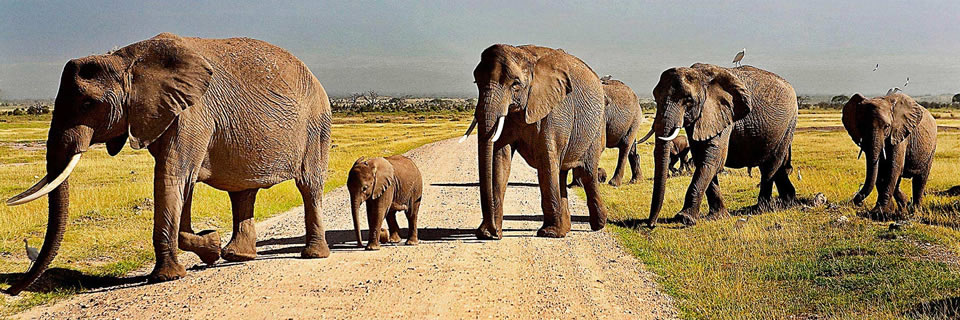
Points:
[899,138]
[237,114]
[734,117]
[386,185]
[623,116]
[553,116]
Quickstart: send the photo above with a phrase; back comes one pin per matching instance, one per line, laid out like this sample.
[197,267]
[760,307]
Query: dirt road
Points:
[450,275]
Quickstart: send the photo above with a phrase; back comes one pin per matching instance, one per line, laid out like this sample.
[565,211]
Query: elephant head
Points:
[528,81]
[368,179]
[703,99]
[874,124]
[135,92]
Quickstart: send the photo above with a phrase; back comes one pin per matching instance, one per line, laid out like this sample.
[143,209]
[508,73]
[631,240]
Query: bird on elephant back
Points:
[548,106]
[734,117]
[899,138]
[237,114]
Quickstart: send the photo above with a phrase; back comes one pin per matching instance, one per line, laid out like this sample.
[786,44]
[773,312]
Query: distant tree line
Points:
[838,101]
[36,109]
[371,101]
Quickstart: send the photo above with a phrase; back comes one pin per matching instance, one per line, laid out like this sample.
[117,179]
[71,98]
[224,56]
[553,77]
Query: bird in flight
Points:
[877,67]
[739,56]
[906,83]
[32,253]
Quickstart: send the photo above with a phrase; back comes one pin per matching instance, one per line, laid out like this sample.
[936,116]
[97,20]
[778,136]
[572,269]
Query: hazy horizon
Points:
[821,47]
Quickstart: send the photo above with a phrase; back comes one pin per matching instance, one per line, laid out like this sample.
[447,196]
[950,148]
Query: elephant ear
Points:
[382,177]
[850,117]
[726,101]
[166,77]
[550,84]
[907,114]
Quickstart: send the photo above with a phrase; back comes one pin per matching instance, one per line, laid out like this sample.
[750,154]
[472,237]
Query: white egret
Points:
[906,83]
[893,90]
[739,56]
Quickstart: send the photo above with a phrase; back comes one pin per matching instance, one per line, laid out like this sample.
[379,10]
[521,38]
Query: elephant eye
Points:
[86,105]
[364,188]
[517,84]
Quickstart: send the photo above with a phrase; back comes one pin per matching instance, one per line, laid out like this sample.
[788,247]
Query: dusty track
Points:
[449,275]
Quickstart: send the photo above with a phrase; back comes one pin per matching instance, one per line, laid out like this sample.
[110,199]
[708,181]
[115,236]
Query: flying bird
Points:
[606,78]
[877,67]
[739,56]
[32,253]
[906,83]
[893,90]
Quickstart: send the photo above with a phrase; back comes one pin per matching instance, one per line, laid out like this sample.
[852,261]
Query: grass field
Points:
[803,263]
[111,214]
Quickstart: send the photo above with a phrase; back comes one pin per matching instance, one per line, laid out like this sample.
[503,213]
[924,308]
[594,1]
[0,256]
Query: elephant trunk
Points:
[60,163]
[489,116]
[355,210]
[874,151]
[666,125]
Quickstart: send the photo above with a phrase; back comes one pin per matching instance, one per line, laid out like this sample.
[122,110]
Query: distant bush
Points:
[372,102]
[36,109]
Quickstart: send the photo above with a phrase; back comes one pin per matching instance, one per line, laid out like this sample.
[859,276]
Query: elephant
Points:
[548,106]
[897,123]
[735,117]
[387,185]
[601,178]
[679,151]
[238,114]
[623,116]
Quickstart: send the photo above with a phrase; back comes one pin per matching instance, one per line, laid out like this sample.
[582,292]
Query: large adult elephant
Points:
[237,114]
[623,116]
[548,106]
[734,117]
[899,137]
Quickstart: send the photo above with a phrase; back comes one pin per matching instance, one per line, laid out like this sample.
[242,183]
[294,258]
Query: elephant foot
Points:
[394,238]
[372,247]
[614,182]
[858,199]
[240,248]
[552,232]
[316,251]
[598,220]
[488,232]
[167,272]
[413,241]
[684,219]
[209,249]
[635,180]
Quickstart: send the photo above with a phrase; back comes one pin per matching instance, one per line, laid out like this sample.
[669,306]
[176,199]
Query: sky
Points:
[431,47]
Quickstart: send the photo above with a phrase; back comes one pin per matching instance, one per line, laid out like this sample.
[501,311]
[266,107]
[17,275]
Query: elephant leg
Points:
[205,244]
[890,171]
[315,240]
[919,185]
[492,226]
[788,193]
[243,243]
[715,200]
[710,157]
[168,191]
[393,226]
[595,205]
[555,223]
[623,152]
[900,196]
[414,209]
[766,188]
[673,161]
[376,211]
[634,158]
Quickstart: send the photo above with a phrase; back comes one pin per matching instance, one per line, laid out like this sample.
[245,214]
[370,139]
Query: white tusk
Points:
[496,135]
[883,152]
[676,132]
[33,193]
[469,130]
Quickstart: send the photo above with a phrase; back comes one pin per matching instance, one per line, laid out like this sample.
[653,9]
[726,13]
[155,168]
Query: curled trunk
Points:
[59,201]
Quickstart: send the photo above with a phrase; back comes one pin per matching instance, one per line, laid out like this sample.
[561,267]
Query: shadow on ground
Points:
[947,308]
[477,184]
[61,279]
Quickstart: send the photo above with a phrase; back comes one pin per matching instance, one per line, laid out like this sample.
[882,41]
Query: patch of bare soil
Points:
[450,275]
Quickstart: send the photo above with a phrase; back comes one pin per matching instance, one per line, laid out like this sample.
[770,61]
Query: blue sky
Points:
[821,47]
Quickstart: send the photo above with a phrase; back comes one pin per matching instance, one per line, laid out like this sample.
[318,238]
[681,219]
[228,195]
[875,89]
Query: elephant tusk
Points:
[883,152]
[672,136]
[469,130]
[35,192]
[496,135]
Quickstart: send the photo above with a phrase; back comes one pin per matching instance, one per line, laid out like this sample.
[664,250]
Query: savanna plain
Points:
[827,261]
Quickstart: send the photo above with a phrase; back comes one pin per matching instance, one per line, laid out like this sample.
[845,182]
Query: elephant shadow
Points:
[946,308]
[61,279]
[477,184]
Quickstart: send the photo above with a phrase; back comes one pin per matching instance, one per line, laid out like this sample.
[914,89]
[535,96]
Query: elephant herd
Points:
[241,114]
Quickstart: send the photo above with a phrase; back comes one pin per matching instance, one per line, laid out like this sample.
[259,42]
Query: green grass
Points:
[111,214]
[796,262]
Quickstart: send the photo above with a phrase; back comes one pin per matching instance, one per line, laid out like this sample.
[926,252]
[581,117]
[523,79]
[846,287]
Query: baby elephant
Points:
[387,185]
[898,137]
[679,153]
